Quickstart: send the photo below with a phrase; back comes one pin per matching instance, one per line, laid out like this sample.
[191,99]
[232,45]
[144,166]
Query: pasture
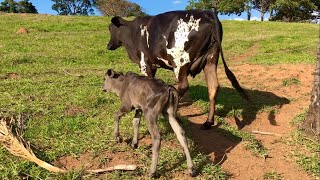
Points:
[52,78]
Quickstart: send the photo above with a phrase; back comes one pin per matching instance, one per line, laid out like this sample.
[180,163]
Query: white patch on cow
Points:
[143,65]
[180,56]
[165,39]
[144,31]
[165,61]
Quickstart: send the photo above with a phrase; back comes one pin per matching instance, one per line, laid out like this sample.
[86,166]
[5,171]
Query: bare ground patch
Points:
[232,155]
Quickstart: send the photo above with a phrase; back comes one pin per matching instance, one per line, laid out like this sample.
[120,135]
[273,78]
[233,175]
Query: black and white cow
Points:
[185,42]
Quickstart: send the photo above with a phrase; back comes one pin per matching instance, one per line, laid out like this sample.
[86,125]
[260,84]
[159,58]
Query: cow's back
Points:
[179,37]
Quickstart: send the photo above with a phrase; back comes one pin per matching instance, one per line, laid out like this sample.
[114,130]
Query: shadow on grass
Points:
[229,100]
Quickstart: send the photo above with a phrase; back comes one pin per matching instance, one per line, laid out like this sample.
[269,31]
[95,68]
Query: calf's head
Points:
[116,29]
[113,82]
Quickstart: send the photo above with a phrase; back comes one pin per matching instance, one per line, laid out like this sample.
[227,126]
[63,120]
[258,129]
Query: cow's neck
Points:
[130,43]
[126,38]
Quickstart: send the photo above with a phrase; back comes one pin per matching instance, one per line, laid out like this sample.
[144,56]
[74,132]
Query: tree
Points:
[312,123]
[135,10]
[26,7]
[74,7]
[11,6]
[263,6]
[122,8]
[294,10]
[223,6]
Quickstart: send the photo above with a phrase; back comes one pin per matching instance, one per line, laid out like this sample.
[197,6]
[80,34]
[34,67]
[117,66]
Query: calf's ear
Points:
[118,21]
[110,73]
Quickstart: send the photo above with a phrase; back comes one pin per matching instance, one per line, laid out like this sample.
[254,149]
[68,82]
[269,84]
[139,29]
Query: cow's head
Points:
[113,81]
[115,30]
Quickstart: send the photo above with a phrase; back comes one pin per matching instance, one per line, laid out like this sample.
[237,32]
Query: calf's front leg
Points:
[136,123]
[117,118]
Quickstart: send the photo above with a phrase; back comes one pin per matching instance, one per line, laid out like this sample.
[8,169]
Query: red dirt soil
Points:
[233,157]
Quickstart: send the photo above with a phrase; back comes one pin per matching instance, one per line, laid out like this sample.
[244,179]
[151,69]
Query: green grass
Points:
[305,150]
[290,82]
[68,115]
[272,175]
[277,42]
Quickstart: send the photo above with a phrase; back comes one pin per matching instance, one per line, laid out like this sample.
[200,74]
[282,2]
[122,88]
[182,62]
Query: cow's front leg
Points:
[151,71]
[210,71]
[183,83]
[117,118]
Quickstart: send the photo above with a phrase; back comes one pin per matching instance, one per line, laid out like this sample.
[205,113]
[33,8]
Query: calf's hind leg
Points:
[181,137]
[155,135]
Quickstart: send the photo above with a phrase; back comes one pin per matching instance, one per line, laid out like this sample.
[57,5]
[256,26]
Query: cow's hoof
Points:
[192,172]
[207,125]
[119,139]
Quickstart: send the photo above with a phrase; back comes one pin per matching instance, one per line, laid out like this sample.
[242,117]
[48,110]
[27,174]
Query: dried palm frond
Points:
[18,147]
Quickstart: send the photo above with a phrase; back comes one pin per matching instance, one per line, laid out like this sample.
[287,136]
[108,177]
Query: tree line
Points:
[122,8]
[23,6]
[283,10]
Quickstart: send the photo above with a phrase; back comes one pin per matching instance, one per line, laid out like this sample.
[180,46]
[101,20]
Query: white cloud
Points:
[177,2]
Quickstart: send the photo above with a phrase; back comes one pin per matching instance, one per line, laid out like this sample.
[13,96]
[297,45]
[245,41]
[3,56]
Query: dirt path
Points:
[233,156]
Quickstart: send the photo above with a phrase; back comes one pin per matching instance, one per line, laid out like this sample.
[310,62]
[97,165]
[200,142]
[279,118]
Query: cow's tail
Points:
[173,99]
[218,37]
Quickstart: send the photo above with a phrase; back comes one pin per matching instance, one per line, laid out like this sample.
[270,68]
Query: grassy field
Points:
[70,115]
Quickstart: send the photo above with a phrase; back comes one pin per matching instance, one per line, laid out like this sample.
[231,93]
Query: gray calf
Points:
[152,97]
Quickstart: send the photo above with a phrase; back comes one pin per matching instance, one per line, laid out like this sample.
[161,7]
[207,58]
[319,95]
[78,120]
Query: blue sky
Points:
[152,7]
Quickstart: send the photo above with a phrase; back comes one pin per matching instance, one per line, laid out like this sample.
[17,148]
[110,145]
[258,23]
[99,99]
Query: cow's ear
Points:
[110,73]
[118,21]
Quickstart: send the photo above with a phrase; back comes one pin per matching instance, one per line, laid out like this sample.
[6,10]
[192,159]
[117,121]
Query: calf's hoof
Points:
[119,139]
[152,175]
[134,145]
[207,125]
[192,172]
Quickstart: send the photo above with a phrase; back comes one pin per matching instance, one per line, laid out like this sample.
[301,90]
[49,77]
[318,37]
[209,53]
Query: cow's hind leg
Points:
[183,83]
[155,135]
[210,71]
[169,114]
[136,123]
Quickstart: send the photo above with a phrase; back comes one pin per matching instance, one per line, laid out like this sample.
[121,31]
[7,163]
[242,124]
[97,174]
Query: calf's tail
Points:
[173,99]
[218,37]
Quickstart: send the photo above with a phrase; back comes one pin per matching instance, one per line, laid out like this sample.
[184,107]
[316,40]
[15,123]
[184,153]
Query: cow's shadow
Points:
[229,102]
[218,141]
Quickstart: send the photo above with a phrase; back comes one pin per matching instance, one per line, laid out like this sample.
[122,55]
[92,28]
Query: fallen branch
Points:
[77,75]
[18,147]
[264,133]
[117,167]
